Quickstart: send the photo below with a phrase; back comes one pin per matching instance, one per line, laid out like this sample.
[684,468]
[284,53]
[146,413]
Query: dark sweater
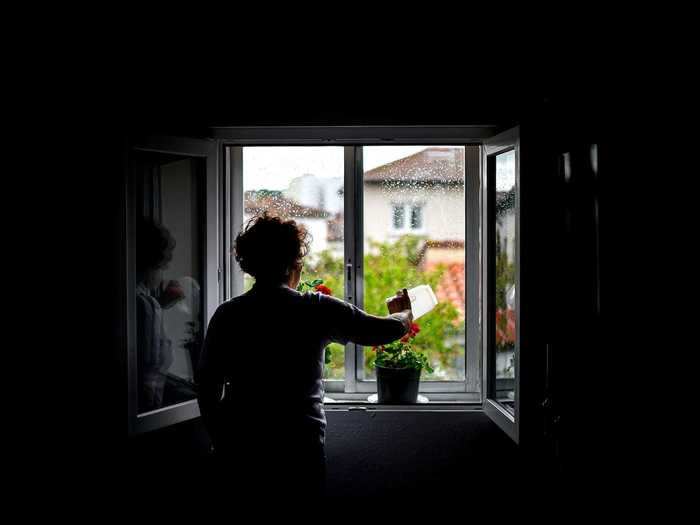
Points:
[269,345]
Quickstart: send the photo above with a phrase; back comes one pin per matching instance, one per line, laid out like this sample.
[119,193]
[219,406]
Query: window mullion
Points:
[359,248]
[237,213]
[473,247]
[349,241]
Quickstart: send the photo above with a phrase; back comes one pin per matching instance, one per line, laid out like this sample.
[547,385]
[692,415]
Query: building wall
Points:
[506,232]
[443,210]
[317,192]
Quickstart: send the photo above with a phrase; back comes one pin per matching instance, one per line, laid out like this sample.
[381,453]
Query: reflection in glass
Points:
[305,184]
[168,276]
[505,319]
[414,233]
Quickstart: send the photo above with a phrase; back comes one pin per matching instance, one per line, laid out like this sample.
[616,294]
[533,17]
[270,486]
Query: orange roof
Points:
[451,287]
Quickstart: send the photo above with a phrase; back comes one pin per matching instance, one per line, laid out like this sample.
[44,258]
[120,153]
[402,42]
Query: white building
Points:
[323,193]
[422,194]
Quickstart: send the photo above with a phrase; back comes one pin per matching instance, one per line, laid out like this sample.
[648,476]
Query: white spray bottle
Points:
[422,300]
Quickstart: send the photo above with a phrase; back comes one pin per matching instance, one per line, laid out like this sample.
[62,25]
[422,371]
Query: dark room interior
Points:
[481,430]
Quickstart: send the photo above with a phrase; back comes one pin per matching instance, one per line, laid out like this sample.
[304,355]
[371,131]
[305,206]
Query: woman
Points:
[261,372]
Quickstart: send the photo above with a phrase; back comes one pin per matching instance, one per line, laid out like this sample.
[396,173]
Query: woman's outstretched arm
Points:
[347,323]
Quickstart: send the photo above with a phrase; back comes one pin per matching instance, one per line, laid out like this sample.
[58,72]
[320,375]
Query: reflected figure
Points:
[186,316]
[154,250]
[261,372]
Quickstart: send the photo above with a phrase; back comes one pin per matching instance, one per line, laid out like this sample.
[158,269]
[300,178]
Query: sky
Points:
[274,167]
[505,171]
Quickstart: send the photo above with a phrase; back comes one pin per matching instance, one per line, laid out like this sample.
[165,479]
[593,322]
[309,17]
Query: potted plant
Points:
[399,367]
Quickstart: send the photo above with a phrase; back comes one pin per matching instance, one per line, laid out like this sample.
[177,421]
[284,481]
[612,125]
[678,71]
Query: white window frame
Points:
[353,387]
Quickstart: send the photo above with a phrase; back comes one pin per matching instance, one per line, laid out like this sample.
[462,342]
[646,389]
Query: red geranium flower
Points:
[322,288]
[405,338]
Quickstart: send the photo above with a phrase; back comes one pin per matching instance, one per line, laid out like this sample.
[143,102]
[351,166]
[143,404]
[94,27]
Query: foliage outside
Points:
[388,267]
[505,277]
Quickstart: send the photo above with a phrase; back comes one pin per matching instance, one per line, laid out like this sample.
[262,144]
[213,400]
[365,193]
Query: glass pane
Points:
[505,278]
[169,269]
[398,217]
[416,218]
[304,184]
[427,182]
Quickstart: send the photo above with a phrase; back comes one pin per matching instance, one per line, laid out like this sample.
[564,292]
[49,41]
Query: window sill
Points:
[432,402]
[443,406]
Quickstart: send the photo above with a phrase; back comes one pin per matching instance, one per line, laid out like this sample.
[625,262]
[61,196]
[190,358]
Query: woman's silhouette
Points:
[260,376]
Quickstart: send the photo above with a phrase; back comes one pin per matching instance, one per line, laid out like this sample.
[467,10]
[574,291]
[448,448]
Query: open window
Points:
[501,277]
[171,266]
[382,218]
[409,206]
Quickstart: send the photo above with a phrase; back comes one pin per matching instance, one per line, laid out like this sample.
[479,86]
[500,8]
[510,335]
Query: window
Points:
[416,217]
[343,195]
[168,261]
[453,222]
[398,216]
[407,218]
[501,306]
[504,296]
[410,255]
[172,287]
[304,184]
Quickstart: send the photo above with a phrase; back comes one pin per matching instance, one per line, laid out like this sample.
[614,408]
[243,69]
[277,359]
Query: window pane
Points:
[304,184]
[169,270]
[429,181]
[416,218]
[505,278]
[398,217]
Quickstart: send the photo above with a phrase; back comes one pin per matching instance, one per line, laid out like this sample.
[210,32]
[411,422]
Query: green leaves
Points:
[391,266]
[308,284]
[401,355]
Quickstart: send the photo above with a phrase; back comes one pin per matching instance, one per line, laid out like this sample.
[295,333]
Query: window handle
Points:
[348,282]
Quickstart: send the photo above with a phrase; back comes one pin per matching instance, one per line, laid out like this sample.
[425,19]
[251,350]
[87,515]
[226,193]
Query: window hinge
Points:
[218,274]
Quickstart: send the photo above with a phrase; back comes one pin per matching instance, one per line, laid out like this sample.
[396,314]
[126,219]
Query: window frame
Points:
[352,388]
[211,286]
[504,142]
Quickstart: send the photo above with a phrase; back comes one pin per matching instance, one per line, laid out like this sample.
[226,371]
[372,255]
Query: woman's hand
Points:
[400,302]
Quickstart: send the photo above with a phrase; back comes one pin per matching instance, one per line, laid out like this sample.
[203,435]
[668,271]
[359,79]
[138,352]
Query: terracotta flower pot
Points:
[397,386]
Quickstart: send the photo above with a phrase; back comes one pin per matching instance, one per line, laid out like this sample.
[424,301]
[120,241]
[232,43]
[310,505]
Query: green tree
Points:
[389,267]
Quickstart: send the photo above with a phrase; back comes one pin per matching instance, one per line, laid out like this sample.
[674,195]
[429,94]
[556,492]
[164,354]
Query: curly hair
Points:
[154,245]
[269,248]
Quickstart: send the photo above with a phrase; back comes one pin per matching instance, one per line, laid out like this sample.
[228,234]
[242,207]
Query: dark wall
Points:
[442,452]
[383,454]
